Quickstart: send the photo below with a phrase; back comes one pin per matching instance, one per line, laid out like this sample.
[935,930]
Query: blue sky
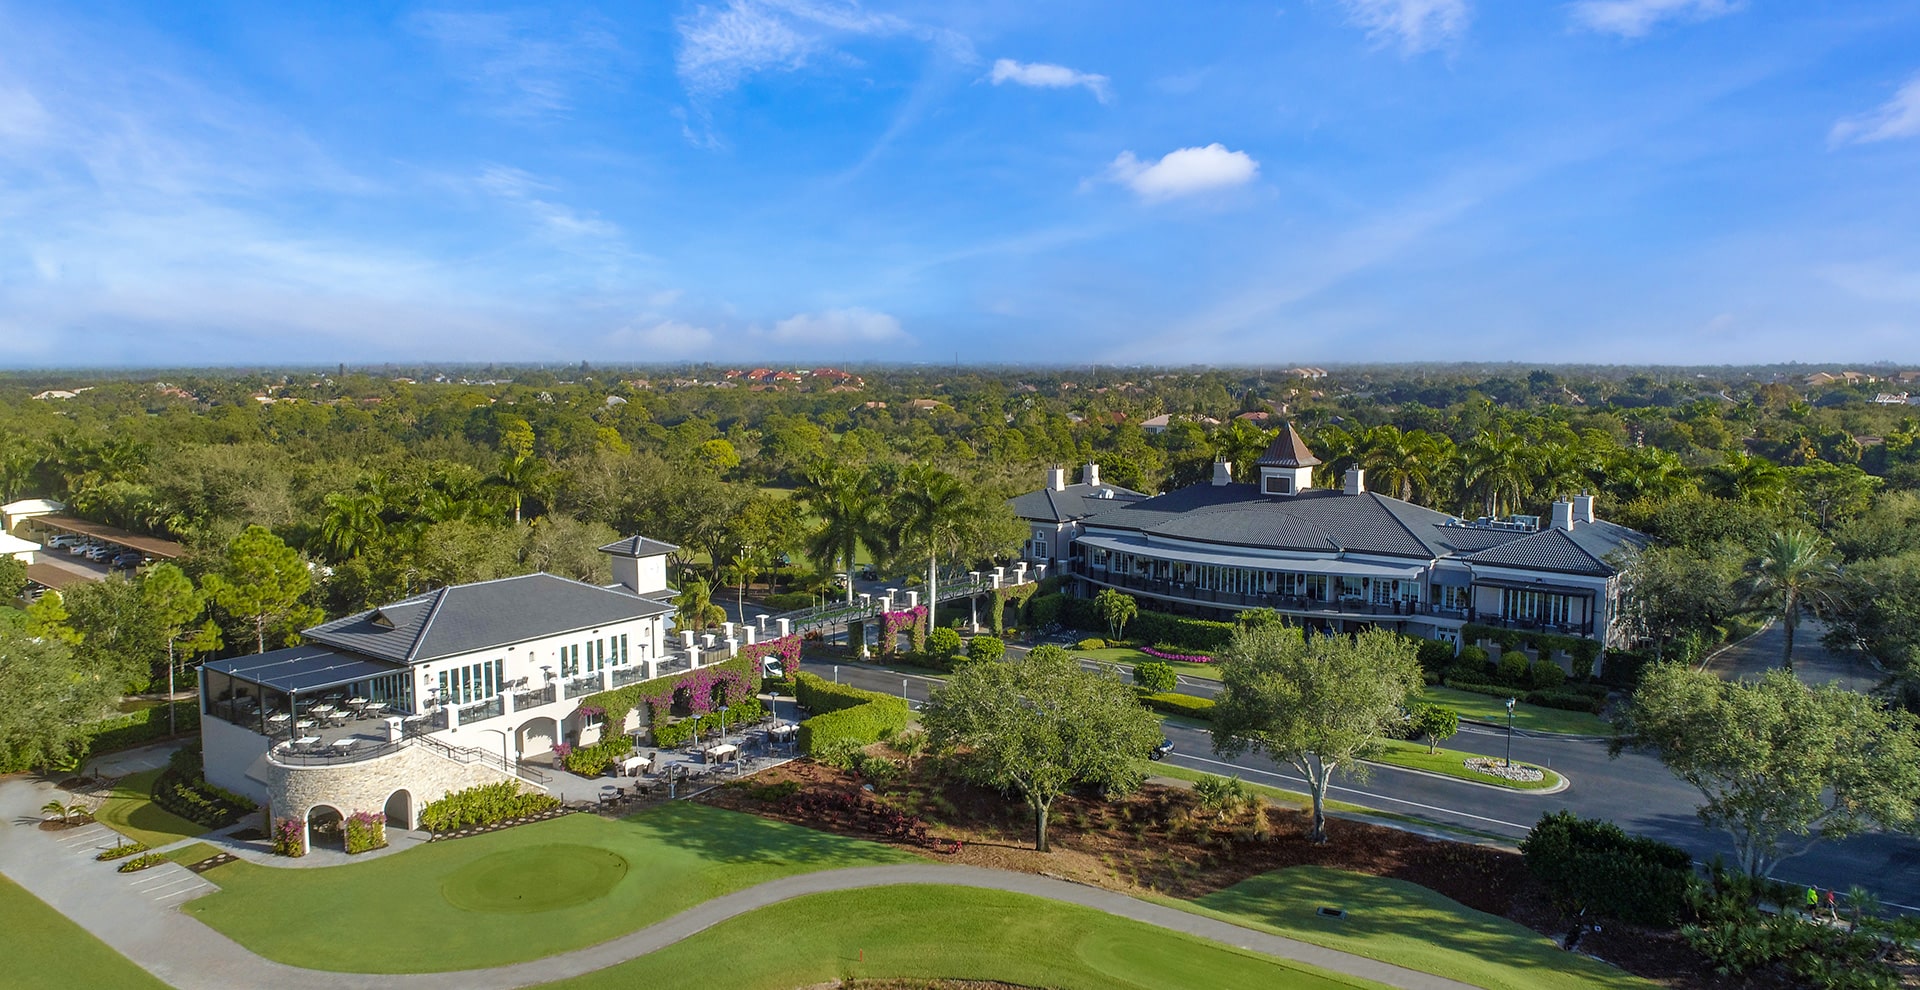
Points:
[1671,181]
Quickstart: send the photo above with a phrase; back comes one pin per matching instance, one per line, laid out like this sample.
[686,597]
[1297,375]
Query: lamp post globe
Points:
[1509,732]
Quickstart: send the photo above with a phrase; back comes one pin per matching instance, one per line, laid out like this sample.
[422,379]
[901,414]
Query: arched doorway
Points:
[535,739]
[326,828]
[399,810]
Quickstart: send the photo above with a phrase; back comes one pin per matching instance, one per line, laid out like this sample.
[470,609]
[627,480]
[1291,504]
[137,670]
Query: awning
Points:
[152,546]
[301,669]
[53,575]
[1518,585]
[1342,568]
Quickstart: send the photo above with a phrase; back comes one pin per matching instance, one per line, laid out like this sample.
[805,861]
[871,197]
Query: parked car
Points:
[1160,752]
[129,559]
[61,540]
[102,552]
[80,548]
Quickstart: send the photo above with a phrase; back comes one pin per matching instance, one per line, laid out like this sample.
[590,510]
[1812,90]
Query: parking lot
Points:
[74,549]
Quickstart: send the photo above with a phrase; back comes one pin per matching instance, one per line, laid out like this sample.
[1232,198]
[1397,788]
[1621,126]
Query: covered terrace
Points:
[314,699]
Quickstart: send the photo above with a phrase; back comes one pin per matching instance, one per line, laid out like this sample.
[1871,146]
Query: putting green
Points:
[535,879]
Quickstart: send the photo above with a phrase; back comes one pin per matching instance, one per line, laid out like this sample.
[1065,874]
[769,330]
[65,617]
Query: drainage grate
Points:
[1330,912]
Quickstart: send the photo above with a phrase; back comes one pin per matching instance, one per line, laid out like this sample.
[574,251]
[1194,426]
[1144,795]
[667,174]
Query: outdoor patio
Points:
[651,772]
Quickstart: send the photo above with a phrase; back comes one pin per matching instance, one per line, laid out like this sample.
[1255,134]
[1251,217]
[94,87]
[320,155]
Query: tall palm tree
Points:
[935,506]
[352,523]
[520,477]
[840,497]
[1498,466]
[694,607]
[1745,478]
[1795,573]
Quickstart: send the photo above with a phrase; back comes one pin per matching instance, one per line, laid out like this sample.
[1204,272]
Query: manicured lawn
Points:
[1415,755]
[514,895]
[46,951]
[1410,926]
[1130,656]
[1295,799]
[192,853]
[132,813]
[1482,708]
[930,932]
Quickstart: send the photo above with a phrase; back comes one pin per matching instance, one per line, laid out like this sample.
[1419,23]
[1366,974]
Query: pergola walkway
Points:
[192,956]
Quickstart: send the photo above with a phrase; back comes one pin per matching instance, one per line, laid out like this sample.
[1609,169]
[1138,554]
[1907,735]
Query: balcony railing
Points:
[675,663]
[623,676]
[531,699]
[480,711]
[586,684]
[1287,603]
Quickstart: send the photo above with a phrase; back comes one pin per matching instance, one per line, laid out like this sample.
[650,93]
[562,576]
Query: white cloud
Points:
[1041,75]
[1183,172]
[1899,117]
[1415,25]
[651,340]
[720,47]
[1634,18]
[838,326]
[523,68]
[555,219]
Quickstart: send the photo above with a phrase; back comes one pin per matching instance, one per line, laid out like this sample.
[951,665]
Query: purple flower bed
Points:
[1181,657]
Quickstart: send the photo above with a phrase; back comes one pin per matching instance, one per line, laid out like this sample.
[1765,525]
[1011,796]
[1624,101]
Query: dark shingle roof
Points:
[1287,451]
[465,618]
[1314,520]
[1073,502]
[1584,550]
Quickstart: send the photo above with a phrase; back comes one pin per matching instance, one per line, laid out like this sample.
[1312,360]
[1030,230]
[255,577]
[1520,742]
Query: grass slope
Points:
[1410,926]
[46,951]
[132,813]
[1449,763]
[931,932]
[1533,718]
[675,857]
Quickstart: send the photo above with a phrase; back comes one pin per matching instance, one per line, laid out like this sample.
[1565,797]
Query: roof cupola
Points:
[1287,466]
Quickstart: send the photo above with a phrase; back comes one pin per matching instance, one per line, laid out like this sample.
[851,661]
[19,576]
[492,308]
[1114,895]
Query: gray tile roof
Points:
[465,618]
[1074,502]
[1287,451]
[1584,550]
[638,546]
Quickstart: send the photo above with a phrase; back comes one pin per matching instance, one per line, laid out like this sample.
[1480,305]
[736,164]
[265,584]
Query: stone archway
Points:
[400,811]
[327,824]
[536,737]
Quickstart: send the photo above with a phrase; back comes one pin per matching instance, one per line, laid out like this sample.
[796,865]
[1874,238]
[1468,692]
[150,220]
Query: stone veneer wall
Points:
[365,786]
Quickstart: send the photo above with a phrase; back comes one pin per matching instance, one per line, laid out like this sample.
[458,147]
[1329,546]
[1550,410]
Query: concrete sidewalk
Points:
[136,915]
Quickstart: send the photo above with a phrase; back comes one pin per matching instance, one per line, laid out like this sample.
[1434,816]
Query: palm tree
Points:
[935,508]
[839,495]
[519,478]
[1794,573]
[1745,478]
[1499,468]
[695,607]
[352,523]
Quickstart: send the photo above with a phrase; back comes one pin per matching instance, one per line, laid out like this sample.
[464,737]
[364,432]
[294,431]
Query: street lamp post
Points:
[723,723]
[1509,732]
[903,693]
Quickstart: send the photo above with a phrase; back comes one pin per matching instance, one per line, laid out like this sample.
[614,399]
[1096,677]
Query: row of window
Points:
[473,682]
[609,651]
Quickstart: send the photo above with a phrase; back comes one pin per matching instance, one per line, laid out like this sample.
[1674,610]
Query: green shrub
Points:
[1621,669]
[121,851]
[944,643]
[139,863]
[840,753]
[1434,655]
[1043,610]
[1512,669]
[673,735]
[861,725]
[1545,675]
[1596,866]
[366,831]
[985,649]
[819,696]
[1584,652]
[1093,644]
[1180,704]
[592,761]
[1475,655]
[1199,635]
[1155,677]
[1224,796]
[879,772]
[483,805]
[773,793]
[1568,701]
[1480,687]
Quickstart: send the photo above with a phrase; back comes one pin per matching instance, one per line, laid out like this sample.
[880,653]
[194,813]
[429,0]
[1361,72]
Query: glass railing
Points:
[586,684]
[493,707]
[531,699]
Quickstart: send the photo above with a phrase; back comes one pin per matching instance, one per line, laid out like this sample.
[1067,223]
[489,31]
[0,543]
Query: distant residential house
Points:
[1893,399]
[56,393]
[926,405]
[1307,372]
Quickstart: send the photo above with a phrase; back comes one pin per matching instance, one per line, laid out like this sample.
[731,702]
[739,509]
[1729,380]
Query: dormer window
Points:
[380,619]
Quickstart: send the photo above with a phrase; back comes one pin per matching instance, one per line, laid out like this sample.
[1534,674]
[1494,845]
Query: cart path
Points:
[151,931]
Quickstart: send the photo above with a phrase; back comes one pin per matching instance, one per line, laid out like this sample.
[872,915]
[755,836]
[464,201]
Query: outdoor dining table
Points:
[633,765]
[305,723]
[718,754]
[323,709]
[306,740]
[376,707]
[345,745]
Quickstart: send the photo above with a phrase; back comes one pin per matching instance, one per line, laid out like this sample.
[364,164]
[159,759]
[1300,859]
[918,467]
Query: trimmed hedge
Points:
[483,805]
[1595,865]
[1566,701]
[845,714]
[1180,704]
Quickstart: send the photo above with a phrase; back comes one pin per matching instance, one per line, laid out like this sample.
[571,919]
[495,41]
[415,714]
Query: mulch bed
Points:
[211,862]
[1158,841]
[56,825]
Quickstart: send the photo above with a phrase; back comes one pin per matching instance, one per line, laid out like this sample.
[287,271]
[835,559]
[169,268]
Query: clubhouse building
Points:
[469,684]
[1330,558]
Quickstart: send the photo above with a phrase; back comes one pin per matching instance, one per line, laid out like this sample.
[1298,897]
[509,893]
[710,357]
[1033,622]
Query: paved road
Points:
[136,915]
[1635,790]
[1812,662]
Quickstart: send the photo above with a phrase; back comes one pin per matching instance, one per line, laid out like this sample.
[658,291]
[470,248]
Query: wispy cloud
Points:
[1184,172]
[522,65]
[1634,18]
[1413,25]
[555,219]
[1899,117]
[721,47]
[1041,75]
[854,325]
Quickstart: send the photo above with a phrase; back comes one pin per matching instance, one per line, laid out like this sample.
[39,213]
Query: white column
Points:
[786,628]
[749,630]
[913,599]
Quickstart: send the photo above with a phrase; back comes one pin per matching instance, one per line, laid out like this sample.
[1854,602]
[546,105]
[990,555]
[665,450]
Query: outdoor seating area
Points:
[648,773]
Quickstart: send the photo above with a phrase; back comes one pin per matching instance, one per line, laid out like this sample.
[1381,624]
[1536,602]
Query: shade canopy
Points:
[303,669]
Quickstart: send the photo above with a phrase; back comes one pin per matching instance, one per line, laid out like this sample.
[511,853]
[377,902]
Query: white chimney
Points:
[1583,508]
[1057,478]
[1091,475]
[1356,481]
[1222,473]
[1562,514]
